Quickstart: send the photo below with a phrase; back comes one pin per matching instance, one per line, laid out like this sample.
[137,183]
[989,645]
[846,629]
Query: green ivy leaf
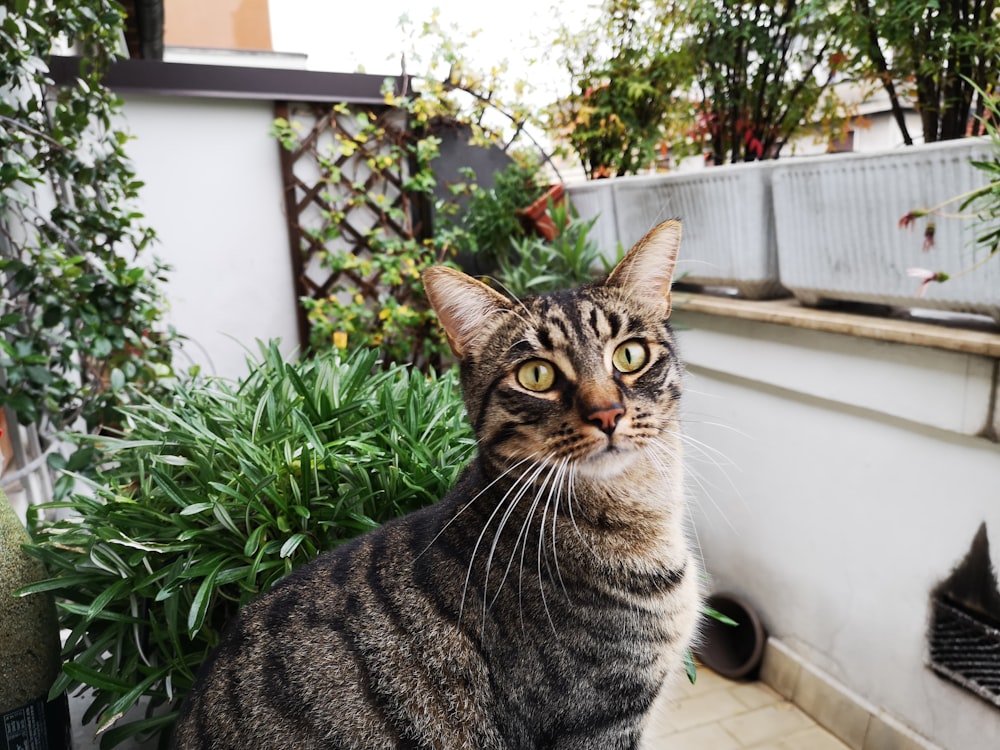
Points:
[117,380]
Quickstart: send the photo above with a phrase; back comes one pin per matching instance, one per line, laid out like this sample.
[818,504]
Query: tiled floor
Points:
[718,714]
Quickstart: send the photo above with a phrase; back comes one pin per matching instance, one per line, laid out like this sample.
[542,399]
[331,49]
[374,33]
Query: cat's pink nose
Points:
[607,418]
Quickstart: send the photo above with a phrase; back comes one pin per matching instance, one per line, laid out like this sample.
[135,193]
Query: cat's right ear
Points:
[462,304]
[647,270]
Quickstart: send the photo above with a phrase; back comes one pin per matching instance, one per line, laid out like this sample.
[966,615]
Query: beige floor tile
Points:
[707,682]
[703,709]
[769,722]
[720,714]
[754,694]
[814,738]
[709,737]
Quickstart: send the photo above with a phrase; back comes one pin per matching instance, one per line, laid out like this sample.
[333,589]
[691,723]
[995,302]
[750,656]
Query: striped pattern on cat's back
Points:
[545,600]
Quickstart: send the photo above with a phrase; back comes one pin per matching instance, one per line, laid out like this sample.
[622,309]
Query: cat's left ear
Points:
[463,305]
[647,270]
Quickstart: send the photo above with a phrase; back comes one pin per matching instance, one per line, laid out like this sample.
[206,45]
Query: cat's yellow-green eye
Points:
[630,356]
[536,375]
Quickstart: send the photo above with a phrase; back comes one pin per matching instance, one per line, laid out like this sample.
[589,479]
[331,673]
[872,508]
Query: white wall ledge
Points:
[935,376]
[839,471]
[788,312]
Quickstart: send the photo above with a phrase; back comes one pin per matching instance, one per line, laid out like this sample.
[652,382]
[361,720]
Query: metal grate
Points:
[966,650]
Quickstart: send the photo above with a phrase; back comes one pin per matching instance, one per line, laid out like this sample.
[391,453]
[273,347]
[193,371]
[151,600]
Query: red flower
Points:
[929,236]
[907,221]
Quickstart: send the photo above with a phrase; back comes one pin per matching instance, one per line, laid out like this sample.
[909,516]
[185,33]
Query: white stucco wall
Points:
[836,480]
[213,194]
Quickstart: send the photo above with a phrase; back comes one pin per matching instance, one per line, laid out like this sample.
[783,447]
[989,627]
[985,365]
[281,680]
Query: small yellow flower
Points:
[384,313]
[358,299]
[340,339]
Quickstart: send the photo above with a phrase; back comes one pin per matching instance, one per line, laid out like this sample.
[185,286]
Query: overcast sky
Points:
[345,36]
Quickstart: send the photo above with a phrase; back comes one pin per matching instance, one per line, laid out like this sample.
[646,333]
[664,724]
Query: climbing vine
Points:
[80,310]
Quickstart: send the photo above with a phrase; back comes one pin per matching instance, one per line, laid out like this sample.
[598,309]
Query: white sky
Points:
[345,35]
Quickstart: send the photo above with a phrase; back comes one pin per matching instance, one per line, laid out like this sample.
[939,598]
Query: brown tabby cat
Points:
[543,602]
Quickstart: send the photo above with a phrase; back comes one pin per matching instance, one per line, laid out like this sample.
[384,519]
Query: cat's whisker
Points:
[522,534]
[513,297]
[557,486]
[466,506]
[715,457]
[522,539]
[662,468]
[555,515]
[709,489]
[479,541]
[525,482]
[570,501]
[709,452]
[693,417]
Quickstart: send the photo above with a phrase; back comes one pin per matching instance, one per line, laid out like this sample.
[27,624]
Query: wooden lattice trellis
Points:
[320,181]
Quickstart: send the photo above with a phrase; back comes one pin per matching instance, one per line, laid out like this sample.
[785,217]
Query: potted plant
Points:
[209,498]
[595,200]
[837,227]
[537,215]
[728,224]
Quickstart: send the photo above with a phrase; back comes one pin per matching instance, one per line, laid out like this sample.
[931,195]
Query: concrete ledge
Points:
[855,721]
[788,312]
[947,387]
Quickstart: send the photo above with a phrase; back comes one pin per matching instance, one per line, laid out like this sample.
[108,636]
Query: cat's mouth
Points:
[606,461]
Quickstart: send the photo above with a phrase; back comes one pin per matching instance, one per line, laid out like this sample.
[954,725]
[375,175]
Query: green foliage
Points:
[534,265]
[624,89]
[946,56]
[981,206]
[384,169]
[761,70]
[490,220]
[206,502]
[375,298]
[736,79]
[79,316]
[488,102]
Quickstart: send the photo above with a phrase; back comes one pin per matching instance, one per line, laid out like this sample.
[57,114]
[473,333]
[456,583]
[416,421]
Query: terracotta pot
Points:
[536,215]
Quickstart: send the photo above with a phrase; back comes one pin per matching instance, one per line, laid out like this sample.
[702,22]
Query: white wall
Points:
[213,194]
[839,481]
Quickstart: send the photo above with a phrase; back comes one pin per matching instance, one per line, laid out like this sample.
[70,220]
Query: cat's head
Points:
[588,376]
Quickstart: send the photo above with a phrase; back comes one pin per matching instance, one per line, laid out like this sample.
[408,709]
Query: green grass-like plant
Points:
[534,265]
[201,505]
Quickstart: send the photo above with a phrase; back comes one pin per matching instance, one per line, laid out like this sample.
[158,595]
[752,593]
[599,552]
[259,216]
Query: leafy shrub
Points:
[377,173]
[203,504]
[375,238]
[490,220]
[533,265]
[80,315]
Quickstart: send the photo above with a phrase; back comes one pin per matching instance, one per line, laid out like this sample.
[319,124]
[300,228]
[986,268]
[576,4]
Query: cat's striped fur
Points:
[543,602]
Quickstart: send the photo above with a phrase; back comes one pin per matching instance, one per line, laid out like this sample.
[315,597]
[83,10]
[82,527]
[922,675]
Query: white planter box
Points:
[728,224]
[838,237]
[595,199]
